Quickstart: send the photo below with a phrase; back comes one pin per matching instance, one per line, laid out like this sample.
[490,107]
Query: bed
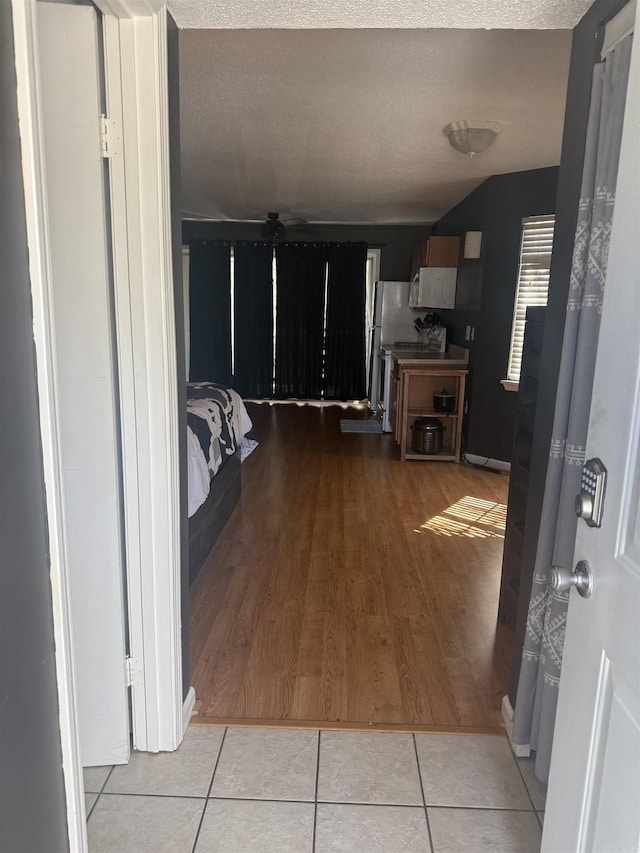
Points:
[219,436]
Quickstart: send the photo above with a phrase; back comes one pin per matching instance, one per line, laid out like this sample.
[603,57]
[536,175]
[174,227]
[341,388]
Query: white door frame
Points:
[137,103]
[136,80]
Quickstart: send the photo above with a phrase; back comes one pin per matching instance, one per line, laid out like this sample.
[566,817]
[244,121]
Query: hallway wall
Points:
[32,804]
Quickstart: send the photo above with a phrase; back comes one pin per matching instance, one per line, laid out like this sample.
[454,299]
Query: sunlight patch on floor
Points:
[471,517]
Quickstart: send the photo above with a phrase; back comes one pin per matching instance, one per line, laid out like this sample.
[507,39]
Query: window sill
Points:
[509,385]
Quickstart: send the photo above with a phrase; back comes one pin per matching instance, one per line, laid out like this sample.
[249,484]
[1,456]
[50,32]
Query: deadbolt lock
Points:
[590,502]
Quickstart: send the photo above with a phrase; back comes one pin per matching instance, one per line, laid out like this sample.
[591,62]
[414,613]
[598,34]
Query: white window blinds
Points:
[533,281]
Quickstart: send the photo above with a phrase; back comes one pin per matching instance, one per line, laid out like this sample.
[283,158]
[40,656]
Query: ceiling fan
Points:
[275,229]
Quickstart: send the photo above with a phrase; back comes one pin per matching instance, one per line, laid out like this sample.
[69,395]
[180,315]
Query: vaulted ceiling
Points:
[343,123]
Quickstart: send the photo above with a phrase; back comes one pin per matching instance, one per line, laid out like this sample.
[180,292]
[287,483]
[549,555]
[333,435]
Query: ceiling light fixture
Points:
[472,137]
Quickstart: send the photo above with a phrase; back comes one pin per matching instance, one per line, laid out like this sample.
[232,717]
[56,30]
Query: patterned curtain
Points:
[535,711]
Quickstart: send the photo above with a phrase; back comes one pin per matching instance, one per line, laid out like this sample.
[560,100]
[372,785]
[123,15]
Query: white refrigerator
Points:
[392,322]
[393,325]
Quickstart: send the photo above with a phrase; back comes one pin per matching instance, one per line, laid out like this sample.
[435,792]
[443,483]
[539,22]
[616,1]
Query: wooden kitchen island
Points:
[416,376]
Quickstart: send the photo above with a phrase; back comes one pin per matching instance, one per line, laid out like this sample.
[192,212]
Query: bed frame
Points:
[207,523]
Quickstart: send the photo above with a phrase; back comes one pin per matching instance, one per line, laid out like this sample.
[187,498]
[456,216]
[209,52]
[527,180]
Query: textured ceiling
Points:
[346,125]
[379,14]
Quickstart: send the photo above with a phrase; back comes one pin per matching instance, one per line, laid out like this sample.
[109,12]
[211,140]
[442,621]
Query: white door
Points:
[594,787]
[85,373]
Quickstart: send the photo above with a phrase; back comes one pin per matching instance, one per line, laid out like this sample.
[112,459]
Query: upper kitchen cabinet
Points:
[443,252]
[435,252]
[433,278]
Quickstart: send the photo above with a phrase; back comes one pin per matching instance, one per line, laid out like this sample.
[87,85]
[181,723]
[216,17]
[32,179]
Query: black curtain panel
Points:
[253,319]
[300,273]
[210,312]
[345,335]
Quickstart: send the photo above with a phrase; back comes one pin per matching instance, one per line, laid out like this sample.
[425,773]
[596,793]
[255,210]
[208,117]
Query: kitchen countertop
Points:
[454,357]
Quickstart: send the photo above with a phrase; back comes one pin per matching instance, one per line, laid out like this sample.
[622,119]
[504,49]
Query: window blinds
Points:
[533,281]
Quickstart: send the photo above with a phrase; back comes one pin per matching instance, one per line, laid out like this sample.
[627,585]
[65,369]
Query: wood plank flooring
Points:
[350,589]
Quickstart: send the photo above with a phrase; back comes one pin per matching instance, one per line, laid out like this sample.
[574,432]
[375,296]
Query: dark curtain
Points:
[253,319]
[345,337]
[301,271]
[210,312]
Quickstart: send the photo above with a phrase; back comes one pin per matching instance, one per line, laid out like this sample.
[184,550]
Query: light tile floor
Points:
[240,790]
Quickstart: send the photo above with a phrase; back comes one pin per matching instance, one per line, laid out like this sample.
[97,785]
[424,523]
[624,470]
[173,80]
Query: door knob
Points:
[581,577]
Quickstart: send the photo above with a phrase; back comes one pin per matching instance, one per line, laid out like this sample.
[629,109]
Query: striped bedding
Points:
[217,421]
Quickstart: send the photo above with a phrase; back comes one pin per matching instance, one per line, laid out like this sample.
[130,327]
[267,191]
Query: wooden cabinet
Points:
[416,386]
[434,272]
[393,398]
[436,252]
[443,251]
[520,467]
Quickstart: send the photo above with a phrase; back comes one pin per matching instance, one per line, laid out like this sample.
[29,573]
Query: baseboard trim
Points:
[520,750]
[487,462]
[187,708]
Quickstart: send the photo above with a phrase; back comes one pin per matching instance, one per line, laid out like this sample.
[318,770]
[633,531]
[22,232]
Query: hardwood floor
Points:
[350,589]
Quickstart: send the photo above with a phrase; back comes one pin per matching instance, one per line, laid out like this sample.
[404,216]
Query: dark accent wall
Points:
[173,59]
[485,297]
[585,52]
[397,241]
[32,802]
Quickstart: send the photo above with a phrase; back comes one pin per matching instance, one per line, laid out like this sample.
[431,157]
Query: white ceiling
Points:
[379,14]
[346,125]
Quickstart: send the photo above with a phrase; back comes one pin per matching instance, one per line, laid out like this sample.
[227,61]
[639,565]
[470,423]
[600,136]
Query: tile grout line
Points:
[155,796]
[260,800]
[359,803]
[206,801]
[100,792]
[231,799]
[315,795]
[466,808]
[362,804]
[109,774]
[90,812]
[526,787]
[424,800]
